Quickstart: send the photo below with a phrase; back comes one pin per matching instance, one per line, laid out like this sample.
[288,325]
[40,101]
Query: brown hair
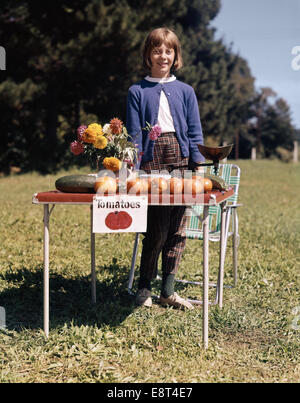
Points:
[155,39]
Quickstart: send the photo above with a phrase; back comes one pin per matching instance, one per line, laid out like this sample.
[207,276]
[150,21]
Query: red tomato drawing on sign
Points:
[118,220]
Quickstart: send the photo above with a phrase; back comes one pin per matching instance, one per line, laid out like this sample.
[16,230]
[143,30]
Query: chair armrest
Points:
[234,206]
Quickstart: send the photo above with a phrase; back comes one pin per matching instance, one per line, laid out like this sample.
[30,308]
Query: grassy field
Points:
[254,338]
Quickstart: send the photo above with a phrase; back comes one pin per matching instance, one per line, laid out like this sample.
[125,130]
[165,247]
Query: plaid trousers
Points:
[165,224]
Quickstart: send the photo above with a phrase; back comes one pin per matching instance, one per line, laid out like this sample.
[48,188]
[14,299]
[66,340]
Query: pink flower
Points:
[81,129]
[76,147]
[155,132]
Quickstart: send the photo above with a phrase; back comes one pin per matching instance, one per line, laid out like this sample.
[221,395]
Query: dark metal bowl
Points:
[215,154]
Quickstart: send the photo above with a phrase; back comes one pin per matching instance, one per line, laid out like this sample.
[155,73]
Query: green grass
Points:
[250,340]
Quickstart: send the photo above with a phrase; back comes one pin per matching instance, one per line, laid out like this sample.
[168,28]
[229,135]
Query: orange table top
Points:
[210,198]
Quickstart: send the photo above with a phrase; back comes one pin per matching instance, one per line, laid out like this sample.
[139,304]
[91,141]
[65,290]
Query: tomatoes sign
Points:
[120,213]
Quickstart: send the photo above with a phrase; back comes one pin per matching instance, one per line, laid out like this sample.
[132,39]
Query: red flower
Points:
[116,125]
[76,147]
[80,131]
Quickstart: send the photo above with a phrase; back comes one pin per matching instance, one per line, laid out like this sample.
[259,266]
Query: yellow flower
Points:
[91,133]
[88,136]
[112,163]
[100,142]
[96,129]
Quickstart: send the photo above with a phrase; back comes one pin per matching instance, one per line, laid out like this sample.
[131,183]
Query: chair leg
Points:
[235,243]
[219,295]
[133,261]
[223,237]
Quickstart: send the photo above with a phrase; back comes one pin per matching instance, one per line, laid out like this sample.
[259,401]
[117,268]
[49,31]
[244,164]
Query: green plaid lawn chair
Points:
[231,174]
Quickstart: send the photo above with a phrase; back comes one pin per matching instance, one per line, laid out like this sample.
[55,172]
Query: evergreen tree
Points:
[71,62]
[271,129]
[276,128]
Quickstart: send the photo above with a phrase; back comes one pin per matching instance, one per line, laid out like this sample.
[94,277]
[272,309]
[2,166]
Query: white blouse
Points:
[165,120]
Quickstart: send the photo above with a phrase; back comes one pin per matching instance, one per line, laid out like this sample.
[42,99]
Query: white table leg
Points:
[205,276]
[93,270]
[133,261]
[46,269]
[222,254]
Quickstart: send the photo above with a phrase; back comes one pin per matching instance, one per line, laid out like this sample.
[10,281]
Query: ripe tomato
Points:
[137,186]
[176,185]
[193,186]
[208,185]
[158,185]
[106,185]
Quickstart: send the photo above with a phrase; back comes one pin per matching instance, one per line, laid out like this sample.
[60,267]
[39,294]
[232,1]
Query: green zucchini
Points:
[76,184]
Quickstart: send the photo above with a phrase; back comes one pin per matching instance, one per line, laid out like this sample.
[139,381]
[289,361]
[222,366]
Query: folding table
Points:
[214,197]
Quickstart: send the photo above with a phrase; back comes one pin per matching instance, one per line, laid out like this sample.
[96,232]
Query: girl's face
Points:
[162,59]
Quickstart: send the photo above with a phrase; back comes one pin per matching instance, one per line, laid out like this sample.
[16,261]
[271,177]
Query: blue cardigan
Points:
[142,106]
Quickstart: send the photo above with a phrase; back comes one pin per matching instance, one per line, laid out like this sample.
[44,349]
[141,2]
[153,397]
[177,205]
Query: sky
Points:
[264,32]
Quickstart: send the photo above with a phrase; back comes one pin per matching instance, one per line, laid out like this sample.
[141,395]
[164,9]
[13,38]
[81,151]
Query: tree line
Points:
[71,62]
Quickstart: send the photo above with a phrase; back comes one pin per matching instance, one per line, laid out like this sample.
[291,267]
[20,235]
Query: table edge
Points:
[56,197]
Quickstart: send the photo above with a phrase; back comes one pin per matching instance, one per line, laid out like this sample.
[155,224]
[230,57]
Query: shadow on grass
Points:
[70,298]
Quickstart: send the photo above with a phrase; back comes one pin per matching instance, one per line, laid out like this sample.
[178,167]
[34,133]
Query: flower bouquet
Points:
[109,146]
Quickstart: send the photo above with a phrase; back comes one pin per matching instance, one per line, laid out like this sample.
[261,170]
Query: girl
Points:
[163,100]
